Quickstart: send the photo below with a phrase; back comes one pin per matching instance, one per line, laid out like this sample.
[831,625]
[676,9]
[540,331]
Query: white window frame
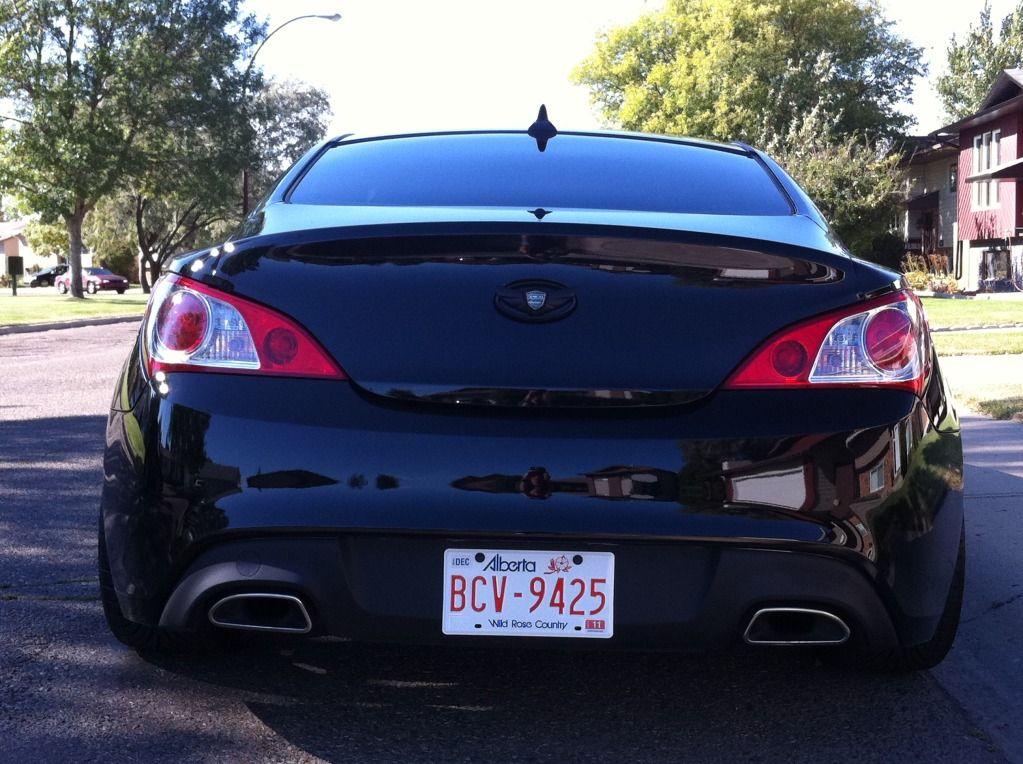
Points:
[986,157]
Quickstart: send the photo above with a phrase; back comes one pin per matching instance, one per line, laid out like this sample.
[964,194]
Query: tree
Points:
[189,198]
[714,68]
[92,84]
[289,119]
[46,238]
[974,63]
[856,183]
[111,236]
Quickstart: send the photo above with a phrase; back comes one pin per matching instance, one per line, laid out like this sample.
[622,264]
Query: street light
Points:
[245,85]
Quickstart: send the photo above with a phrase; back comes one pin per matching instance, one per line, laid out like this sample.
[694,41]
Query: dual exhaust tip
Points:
[287,614]
[260,611]
[795,626]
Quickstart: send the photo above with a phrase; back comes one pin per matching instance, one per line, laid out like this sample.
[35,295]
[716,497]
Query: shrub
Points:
[918,280]
[944,285]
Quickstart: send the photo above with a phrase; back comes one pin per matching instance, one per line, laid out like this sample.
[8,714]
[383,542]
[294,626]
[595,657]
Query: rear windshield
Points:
[507,170]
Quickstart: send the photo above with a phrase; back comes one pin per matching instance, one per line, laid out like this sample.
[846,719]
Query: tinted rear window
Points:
[507,170]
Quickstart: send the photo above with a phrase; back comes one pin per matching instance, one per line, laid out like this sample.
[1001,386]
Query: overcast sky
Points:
[392,66]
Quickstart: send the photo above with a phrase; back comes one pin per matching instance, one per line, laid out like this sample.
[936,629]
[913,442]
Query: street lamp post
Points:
[245,85]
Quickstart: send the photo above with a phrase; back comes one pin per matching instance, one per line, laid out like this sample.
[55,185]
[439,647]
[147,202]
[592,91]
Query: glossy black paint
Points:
[462,423]
[665,315]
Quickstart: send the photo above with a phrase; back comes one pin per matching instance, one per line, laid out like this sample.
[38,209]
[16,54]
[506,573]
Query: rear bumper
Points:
[850,499]
[668,595]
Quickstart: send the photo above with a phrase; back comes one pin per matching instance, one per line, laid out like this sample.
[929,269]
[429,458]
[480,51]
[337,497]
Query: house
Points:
[988,254]
[929,214]
[14,244]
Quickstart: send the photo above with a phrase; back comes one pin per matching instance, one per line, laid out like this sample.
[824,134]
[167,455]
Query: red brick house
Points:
[988,252]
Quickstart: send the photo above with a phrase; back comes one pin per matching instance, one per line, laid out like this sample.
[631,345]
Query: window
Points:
[875,480]
[575,171]
[986,157]
[953,173]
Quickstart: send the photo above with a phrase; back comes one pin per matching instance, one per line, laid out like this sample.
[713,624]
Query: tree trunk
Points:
[245,192]
[148,269]
[143,272]
[74,232]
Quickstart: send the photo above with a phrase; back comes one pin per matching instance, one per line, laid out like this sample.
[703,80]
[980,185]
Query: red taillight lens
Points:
[880,343]
[194,327]
[181,322]
[789,358]
[281,346]
[890,339]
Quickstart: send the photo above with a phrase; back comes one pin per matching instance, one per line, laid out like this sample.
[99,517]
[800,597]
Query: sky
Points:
[393,66]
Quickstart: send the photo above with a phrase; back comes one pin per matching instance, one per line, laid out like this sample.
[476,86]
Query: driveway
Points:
[69,691]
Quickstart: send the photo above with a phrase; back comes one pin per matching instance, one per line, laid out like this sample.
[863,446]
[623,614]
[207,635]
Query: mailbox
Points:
[15,266]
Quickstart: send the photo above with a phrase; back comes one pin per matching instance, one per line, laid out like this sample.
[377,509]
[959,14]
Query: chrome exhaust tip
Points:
[793,626]
[257,611]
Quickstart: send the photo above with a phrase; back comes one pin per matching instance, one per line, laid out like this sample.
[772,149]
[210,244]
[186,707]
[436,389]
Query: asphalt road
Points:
[68,691]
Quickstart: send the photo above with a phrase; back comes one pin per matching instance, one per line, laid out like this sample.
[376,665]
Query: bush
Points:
[918,280]
[912,261]
[122,263]
[944,285]
[886,250]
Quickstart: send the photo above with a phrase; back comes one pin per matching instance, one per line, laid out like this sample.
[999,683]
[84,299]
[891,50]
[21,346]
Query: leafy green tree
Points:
[716,68]
[46,239]
[975,61]
[91,86]
[289,118]
[190,198]
[111,236]
[856,183]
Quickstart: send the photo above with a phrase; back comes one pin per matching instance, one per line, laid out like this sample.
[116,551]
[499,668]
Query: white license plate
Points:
[514,593]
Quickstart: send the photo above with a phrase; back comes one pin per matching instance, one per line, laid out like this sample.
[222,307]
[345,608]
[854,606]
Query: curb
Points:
[976,327]
[76,323]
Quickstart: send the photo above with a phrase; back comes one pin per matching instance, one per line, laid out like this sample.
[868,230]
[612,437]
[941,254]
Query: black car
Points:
[598,389]
[47,276]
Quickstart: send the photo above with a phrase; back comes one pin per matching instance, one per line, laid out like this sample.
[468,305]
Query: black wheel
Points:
[61,287]
[923,656]
[91,287]
[134,635]
[120,291]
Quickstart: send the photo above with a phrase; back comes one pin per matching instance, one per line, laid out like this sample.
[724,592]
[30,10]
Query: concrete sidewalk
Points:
[984,671]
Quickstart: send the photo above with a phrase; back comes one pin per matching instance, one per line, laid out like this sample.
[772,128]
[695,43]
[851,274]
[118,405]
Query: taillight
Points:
[193,327]
[879,343]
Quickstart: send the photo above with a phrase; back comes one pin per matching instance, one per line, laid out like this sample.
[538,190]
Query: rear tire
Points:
[91,288]
[917,657]
[120,291]
[135,635]
[61,287]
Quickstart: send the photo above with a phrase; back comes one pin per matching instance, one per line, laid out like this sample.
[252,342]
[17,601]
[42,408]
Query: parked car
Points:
[94,280]
[47,276]
[580,388]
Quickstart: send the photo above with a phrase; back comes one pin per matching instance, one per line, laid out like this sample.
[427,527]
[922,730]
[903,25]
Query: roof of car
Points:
[734,147]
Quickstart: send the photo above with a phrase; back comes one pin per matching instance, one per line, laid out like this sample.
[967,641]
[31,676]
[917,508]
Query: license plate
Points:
[514,593]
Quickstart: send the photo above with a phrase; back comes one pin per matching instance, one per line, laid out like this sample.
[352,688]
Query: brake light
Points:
[193,327]
[882,343]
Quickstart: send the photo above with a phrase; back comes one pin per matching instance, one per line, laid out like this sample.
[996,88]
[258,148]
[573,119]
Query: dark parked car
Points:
[588,388]
[47,276]
[94,280]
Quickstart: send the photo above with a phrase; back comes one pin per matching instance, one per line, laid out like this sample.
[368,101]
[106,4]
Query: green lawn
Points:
[997,342]
[1000,408]
[33,306]
[943,312]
